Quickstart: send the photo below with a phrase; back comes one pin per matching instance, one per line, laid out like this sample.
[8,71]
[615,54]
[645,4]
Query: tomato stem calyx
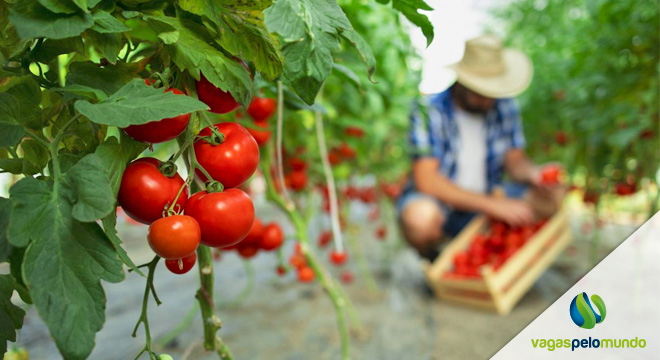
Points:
[168,168]
[214,186]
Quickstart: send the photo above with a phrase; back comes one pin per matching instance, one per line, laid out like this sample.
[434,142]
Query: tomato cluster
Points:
[295,176]
[493,248]
[299,262]
[343,152]
[153,193]
[267,237]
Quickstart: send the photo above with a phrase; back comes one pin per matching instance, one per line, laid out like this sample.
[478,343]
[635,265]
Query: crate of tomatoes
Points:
[490,265]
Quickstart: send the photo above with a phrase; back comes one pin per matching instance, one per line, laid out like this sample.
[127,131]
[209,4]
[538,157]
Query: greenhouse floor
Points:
[283,319]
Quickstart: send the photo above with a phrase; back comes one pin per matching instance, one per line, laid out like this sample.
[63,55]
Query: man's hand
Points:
[547,189]
[512,211]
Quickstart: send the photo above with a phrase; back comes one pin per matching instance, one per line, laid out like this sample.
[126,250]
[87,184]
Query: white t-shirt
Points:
[471,162]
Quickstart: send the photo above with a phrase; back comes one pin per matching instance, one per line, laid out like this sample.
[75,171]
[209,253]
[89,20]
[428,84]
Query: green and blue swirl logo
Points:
[583,313]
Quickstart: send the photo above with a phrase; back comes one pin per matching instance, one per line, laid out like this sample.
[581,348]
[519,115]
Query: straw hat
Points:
[490,69]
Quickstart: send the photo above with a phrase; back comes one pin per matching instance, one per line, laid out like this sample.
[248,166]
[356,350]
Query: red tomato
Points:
[354,131]
[513,241]
[231,162]
[498,227]
[272,238]
[381,232]
[368,195]
[550,174]
[161,130]
[220,102]
[225,218]
[261,108]
[338,258]
[254,236]
[145,192]
[625,189]
[392,191]
[182,267]
[297,164]
[296,180]
[346,277]
[461,259]
[260,136]
[647,134]
[561,138]
[325,238]
[281,270]
[346,151]
[174,237]
[248,251]
[305,274]
[298,261]
[590,197]
[334,158]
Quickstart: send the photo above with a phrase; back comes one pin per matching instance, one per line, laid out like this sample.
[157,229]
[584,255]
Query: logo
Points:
[583,314]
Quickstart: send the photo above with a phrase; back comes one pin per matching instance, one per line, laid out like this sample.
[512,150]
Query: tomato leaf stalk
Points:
[149,288]
[280,165]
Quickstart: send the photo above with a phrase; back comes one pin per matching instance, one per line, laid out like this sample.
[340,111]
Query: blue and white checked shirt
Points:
[434,132]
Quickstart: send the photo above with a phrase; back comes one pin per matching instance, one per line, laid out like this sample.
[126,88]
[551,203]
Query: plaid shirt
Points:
[434,133]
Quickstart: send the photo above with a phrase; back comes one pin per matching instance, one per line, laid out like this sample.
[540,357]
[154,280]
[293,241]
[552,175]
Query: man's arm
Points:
[520,168]
[430,181]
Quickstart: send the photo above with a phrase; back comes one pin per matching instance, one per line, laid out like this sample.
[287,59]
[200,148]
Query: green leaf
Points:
[11,131]
[35,156]
[60,6]
[63,265]
[115,156]
[409,9]
[11,44]
[364,49]
[21,97]
[5,247]
[108,45]
[13,166]
[240,29]
[192,52]
[84,91]
[109,227]
[51,48]
[311,30]
[89,185]
[33,21]
[105,23]
[11,316]
[137,103]
[109,78]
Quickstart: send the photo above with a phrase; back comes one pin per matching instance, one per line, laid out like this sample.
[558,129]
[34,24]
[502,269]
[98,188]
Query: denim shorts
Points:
[455,220]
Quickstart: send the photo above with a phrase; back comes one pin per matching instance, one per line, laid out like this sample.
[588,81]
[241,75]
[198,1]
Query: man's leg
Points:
[422,220]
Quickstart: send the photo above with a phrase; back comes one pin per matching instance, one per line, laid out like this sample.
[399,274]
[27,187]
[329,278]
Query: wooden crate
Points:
[499,290]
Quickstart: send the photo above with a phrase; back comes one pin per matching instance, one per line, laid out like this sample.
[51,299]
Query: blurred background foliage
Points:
[593,103]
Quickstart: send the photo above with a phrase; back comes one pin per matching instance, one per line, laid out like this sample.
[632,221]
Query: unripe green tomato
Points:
[17,354]
[165,357]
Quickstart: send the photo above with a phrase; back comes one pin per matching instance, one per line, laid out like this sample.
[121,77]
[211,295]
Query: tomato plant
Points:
[74,100]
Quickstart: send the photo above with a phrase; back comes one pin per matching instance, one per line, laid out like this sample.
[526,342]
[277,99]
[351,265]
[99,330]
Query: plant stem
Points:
[337,296]
[332,190]
[205,297]
[280,165]
[143,316]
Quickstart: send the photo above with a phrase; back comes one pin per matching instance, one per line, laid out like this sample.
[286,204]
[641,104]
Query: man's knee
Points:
[422,222]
